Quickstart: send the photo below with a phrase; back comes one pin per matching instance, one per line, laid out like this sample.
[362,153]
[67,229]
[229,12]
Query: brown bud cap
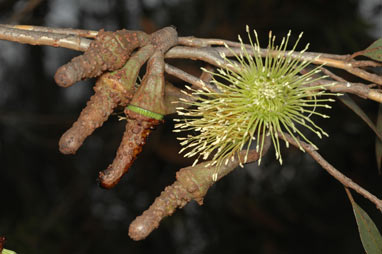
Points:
[150,94]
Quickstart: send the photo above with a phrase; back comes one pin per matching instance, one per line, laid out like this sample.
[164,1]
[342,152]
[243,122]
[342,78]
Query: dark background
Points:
[51,203]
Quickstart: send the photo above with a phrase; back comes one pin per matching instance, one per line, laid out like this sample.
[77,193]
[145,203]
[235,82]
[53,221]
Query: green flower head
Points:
[259,93]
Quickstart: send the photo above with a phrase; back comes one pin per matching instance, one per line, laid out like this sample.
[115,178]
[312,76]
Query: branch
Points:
[354,88]
[358,89]
[55,30]
[192,41]
[208,55]
[327,60]
[346,181]
[175,97]
[44,38]
[192,184]
[196,82]
[198,48]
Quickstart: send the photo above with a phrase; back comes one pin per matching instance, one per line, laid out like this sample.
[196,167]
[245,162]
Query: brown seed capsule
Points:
[144,112]
[108,52]
[111,89]
[173,197]
[108,94]
[138,127]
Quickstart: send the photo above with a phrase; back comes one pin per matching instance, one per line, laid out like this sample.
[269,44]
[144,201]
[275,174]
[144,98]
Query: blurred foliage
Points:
[51,203]
[370,236]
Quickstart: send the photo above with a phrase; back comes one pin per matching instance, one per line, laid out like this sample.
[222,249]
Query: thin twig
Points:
[54,30]
[66,38]
[346,181]
[332,75]
[316,59]
[333,59]
[194,81]
[207,54]
[359,89]
[44,38]
[365,63]
[192,41]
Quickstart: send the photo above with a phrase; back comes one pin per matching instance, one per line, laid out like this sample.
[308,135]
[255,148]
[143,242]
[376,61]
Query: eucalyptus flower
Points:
[259,93]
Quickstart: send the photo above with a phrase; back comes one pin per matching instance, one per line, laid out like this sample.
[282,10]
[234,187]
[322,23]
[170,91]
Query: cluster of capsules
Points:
[116,59]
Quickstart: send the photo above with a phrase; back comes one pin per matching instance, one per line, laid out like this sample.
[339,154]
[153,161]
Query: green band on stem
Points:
[145,112]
